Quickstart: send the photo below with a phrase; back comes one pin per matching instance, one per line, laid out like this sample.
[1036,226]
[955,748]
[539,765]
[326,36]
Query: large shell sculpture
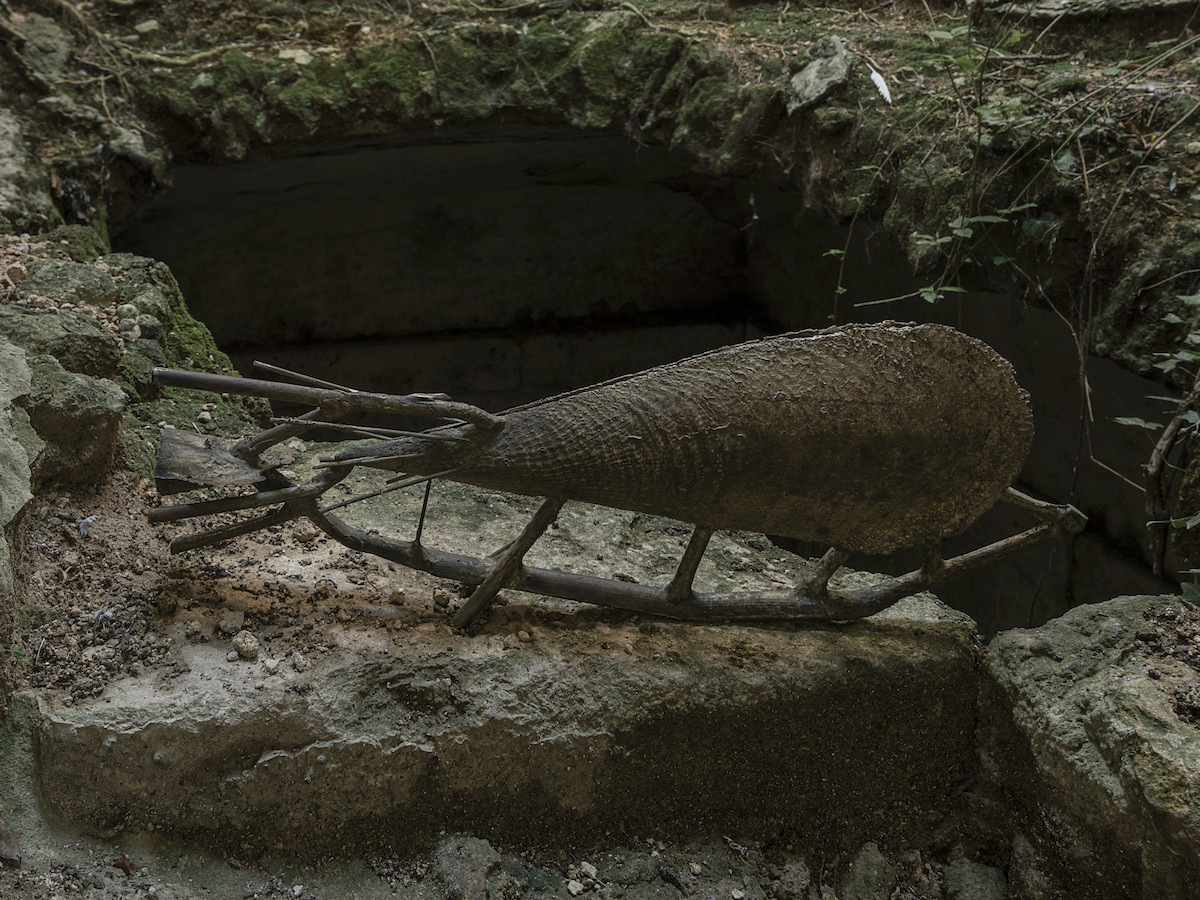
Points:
[867,438]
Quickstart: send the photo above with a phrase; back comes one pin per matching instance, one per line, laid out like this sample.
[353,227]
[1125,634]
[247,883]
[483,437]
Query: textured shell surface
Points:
[868,438]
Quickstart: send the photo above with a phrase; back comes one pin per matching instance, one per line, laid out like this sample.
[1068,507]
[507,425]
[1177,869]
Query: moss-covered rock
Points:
[14,468]
[153,291]
[70,282]
[74,339]
[15,492]
[78,417]
[592,70]
[80,242]
[1096,748]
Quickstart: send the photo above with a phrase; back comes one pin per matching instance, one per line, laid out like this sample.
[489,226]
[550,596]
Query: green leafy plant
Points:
[16,652]
[1171,437]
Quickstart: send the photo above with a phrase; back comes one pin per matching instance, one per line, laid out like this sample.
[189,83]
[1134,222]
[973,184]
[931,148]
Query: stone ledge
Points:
[595,727]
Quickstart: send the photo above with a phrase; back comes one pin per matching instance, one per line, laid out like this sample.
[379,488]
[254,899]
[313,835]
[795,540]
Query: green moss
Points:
[237,72]
[310,92]
[389,75]
[461,89]
[75,340]
[710,105]
[543,76]
[80,242]
[601,58]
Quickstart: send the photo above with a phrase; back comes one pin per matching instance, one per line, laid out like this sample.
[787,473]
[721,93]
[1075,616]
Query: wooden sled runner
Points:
[866,438]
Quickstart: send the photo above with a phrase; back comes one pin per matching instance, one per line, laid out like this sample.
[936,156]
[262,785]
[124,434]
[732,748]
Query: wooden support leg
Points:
[506,563]
[680,588]
[818,578]
[934,563]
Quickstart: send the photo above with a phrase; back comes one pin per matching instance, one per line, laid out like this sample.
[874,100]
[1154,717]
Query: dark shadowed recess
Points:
[502,263]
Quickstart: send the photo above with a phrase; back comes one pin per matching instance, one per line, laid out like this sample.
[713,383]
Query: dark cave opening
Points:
[497,266]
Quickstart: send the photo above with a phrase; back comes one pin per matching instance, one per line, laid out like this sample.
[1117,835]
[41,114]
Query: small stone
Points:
[205,417]
[1192,147]
[588,869]
[304,532]
[793,882]
[299,663]
[231,656]
[16,273]
[246,645]
[299,56]
[396,597]
[574,888]
[192,630]
[694,868]
[524,637]
[511,642]
[231,621]
[737,895]
[441,599]
[271,665]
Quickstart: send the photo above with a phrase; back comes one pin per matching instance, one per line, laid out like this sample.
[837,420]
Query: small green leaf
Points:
[838,253]
[1172,319]
[1139,423]
[990,220]
[1190,591]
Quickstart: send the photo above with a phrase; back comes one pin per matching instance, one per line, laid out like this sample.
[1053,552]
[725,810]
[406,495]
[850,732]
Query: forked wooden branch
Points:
[868,438]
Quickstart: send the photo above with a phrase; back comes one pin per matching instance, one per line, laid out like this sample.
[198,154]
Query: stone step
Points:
[556,724]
